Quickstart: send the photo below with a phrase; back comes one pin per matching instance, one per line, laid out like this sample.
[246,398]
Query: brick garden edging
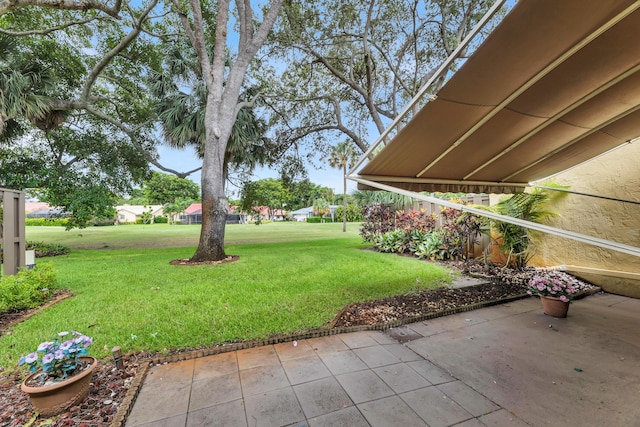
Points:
[132,394]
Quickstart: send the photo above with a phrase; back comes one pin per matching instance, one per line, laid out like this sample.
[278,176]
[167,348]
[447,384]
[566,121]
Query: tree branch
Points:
[108,57]
[7,5]
[51,29]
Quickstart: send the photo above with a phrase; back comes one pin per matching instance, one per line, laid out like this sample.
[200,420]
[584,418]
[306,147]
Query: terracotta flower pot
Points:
[54,399]
[554,307]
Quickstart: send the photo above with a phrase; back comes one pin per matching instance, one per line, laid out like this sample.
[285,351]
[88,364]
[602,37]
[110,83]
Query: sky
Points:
[184,160]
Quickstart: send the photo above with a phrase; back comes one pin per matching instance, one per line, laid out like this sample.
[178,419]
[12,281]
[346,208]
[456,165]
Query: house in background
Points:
[193,215]
[43,210]
[302,214]
[131,213]
[30,207]
[278,214]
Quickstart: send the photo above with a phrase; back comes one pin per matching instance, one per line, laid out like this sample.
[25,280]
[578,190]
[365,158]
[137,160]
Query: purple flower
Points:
[66,345]
[31,357]
[63,333]
[45,345]
[541,287]
[59,355]
[47,358]
[564,298]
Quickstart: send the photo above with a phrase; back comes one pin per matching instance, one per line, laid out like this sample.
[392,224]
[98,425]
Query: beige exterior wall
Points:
[615,174]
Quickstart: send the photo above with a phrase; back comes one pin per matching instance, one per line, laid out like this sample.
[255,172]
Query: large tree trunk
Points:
[218,124]
[214,216]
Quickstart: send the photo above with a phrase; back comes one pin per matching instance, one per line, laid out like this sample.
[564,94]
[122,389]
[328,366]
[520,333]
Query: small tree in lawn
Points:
[321,208]
[342,156]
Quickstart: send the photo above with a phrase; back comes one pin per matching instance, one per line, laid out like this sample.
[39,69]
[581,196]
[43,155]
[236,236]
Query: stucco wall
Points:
[615,174]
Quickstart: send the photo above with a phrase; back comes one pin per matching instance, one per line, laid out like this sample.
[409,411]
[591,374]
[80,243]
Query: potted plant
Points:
[555,290]
[61,373]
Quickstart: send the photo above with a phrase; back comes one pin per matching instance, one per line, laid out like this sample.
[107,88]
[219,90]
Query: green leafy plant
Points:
[59,358]
[27,289]
[432,247]
[516,242]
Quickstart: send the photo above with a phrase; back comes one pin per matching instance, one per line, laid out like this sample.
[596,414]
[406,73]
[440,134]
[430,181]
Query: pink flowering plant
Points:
[60,357]
[553,284]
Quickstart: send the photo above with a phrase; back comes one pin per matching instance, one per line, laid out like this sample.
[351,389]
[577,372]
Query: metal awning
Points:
[555,84]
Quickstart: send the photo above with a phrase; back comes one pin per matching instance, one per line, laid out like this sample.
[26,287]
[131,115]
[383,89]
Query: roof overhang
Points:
[554,85]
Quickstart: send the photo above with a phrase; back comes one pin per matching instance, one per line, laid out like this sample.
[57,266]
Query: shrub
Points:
[432,247]
[354,213]
[377,220]
[101,222]
[160,220]
[318,219]
[27,289]
[415,220]
[46,222]
[460,232]
[47,249]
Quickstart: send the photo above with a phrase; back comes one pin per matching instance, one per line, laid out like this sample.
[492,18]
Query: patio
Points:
[503,365]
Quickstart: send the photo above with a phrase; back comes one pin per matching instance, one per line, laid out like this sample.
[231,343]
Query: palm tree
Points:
[516,241]
[181,95]
[343,155]
[24,83]
[321,208]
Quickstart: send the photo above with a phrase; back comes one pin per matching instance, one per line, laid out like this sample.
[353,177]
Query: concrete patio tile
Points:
[213,366]
[403,334]
[275,408]
[472,401]
[355,340]
[435,408]
[390,411]
[502,418]
[430,372]
[321,397]
[401,378]
[171,373]
[346,417]
[429,327]
[178,420]
[155,404]
[381,337]
[473,422]
[215,390]
[364,386]
[304,370]
[294,350]
[329,344]
[262,379]
[376,356]
[257,356]
[402,352]
[342,362]
[224,414]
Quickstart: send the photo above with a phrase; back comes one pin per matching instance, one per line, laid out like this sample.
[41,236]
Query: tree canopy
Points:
[163,188]
[352,69]
[106,69]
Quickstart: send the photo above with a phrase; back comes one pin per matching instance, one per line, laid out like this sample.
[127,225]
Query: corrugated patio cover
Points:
[555,84]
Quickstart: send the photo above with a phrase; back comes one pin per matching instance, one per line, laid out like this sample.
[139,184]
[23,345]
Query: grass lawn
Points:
[290,277]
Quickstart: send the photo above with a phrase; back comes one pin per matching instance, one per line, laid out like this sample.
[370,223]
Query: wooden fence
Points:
[12,230]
